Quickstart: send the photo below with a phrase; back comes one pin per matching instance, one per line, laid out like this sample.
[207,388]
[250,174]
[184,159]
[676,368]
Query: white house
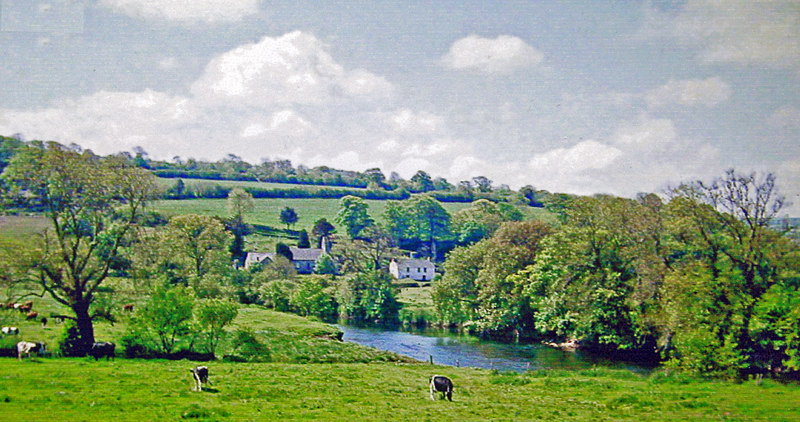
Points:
[415,269]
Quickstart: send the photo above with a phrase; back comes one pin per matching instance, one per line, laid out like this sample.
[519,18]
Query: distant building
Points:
[415,269]
[303,259]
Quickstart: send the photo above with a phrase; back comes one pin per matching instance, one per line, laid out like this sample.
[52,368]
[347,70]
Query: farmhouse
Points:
[303,259]
[415,269]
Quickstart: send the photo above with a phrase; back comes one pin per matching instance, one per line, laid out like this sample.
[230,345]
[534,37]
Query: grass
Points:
[80,389]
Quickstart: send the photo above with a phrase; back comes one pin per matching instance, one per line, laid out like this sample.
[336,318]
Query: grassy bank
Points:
[80,389]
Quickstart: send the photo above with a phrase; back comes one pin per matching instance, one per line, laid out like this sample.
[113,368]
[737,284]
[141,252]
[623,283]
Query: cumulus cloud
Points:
[644,155]
[109,122]
[693,92]
[503,54]
[295,68]
[187,12]
[734,31]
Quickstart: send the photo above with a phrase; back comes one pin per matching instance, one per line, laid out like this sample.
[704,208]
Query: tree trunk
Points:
[85,327]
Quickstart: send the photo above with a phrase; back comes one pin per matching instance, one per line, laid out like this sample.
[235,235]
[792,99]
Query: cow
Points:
[44,322]
[441,384]
[7,331]
[24,309]
[31,315]
[102,349]
[29,304]
[128,307]
[200,375]
[27,347]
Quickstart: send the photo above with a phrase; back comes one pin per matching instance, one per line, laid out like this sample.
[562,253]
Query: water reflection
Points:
[457,350]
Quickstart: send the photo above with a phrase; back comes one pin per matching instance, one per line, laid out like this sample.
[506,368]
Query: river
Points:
[468,351]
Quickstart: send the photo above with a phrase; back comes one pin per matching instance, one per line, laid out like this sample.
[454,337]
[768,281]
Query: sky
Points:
[578,97]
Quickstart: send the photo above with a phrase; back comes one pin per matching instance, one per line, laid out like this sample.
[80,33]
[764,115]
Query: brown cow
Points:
[31,315]
[128,307]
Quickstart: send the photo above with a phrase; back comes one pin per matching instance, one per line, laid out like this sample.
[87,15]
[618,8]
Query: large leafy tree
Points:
[353,215]
[199,243]
[92,204]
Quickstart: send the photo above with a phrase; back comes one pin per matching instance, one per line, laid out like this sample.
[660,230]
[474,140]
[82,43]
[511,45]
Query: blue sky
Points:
[579,97]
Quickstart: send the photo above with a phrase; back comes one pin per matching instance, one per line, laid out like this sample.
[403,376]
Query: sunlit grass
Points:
[80,389]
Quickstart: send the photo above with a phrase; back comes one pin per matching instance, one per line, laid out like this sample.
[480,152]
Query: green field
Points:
[267,211]
[135,390]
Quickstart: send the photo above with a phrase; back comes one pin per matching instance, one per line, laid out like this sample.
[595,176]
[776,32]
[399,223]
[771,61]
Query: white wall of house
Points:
[415,269]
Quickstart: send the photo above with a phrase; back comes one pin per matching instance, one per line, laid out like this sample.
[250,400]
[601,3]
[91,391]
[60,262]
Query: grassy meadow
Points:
[81,389]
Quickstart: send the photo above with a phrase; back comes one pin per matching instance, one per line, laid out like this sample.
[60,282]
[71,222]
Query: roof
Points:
[305,254]
[410,262]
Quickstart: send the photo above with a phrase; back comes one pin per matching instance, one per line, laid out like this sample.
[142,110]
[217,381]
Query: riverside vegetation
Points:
[703,277]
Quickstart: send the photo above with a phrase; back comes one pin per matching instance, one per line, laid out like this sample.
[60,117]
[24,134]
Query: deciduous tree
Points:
[92,204]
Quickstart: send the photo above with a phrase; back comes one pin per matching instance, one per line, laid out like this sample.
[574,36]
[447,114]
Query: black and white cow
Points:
[102,349]
[10,331]
[200,375]
[27,347]
[441,384]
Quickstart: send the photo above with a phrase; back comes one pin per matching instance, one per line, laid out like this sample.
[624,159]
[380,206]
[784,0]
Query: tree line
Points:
[700,279]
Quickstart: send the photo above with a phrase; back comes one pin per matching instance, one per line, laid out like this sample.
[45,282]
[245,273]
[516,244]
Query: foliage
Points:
[283,250]
[367,297]
[212,316]
[312,297]
[92,204]
[165,318]
[353,215]
[288,216]
[303,241]
[199,244]
[322,228]
[325,265]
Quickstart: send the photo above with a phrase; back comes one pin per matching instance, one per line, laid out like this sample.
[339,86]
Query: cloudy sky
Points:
[581,97]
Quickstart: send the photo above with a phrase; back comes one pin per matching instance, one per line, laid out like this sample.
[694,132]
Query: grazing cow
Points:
[24,308]
[31,315]
[29,304]
[200,375]
[128,307]
[441,384]
[27,347]
[7,331]
[44,322]
[102,349]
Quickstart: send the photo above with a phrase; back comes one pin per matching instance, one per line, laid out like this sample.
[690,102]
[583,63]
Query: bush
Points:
[70,341]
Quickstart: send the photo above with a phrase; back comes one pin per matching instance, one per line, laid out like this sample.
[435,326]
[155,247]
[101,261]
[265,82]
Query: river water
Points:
[446,348]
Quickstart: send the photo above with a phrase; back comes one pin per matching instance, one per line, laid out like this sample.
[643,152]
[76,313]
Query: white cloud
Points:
[503,54]
[642,156]
[109,122]
[692,92]
[735,31]
[582,156]
[182,11]
[409,122]
[295,68]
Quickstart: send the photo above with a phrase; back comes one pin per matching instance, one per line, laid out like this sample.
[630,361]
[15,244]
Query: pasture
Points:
[81,389]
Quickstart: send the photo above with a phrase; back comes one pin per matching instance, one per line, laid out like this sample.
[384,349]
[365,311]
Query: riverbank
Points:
[133,390]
